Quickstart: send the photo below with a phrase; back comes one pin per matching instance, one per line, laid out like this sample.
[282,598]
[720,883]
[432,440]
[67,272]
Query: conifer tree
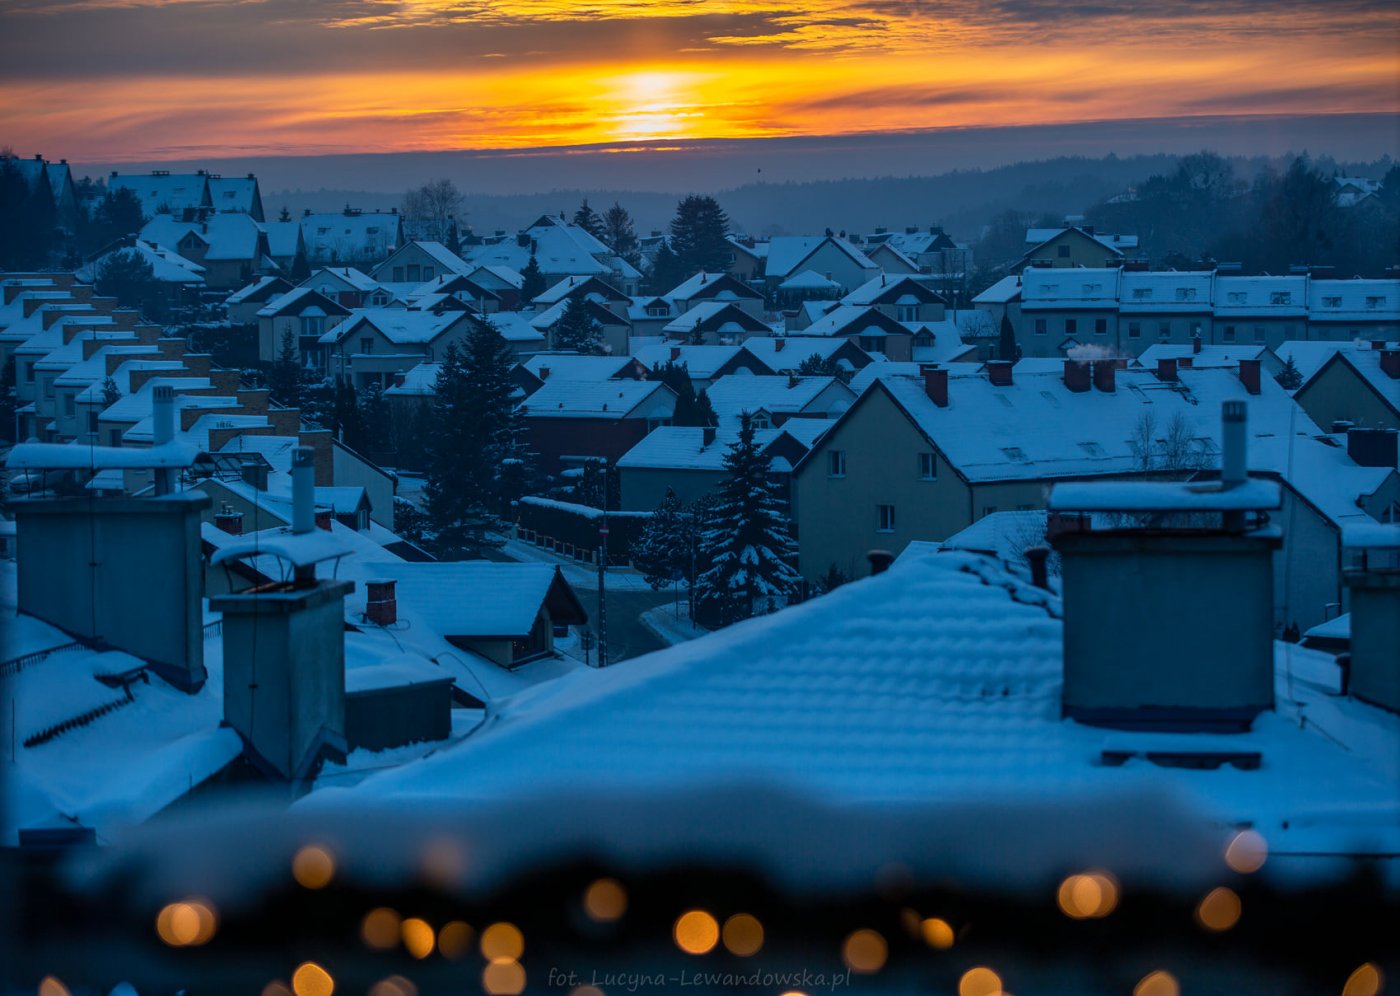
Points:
[700,236]
[111,394]
[285,216]
[7,401]
[1006,342]
[376,423]
[747,546]
[587,219]
[820,366]
[301,266]
[577,330]
[620,235]
[534,284]
[662,550]
[1290,378]
[665,272]
[688,410]
[284,377]
[474,432]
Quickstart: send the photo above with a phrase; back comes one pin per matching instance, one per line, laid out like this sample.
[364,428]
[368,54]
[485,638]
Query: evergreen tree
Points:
[454,241]
[699,236]
[817,365]
[345,406]
[301,266]
[705,410]
[284,376]
[118,214]
[474,431]
[666,272]
[534,284]
[688,411]
[598,487]
[285,216]
[376,420]
[587,219]
[662,550]
[1290,378]
[833,578]
[1006,342]
[127,277]
[7,401]
[110,394]
[577,330]
[747,547]
[620,235]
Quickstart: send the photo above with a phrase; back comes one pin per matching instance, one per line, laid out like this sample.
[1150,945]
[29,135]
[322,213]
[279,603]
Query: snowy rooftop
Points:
[473,598]
[576,366]
[702,362]
[611,399]
[778,394]
[400,326]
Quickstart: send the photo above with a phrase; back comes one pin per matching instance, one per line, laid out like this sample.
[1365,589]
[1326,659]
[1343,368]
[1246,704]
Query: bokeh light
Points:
[586,991]
[188,923]
[277,988]
[1247,852]
[502,942]
[696,932]
[605,900]
[743,935]
[1365,981]
[980,981]
[503,977]
[1088,896]
[50,986]
[394,985]
[938,934]
[1157,984]
[1219,910]
[418,937]
[313,867]
[455,939]
[310,979]
[380,929]
[865,951]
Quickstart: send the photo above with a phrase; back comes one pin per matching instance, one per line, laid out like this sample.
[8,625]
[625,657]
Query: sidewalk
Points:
[669,626]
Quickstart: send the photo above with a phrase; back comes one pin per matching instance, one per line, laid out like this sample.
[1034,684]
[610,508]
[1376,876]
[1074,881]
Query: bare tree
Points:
[1179,448]
[1143,441]
[429,211]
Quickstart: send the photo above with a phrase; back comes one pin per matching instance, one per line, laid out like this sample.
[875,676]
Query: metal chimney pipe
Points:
[163,413]
[1233,465]
[303,489]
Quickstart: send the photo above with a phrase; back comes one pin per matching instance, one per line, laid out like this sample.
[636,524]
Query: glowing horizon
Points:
[226,78]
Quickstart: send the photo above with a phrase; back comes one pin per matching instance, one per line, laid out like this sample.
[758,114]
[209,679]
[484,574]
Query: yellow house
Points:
[1071,247]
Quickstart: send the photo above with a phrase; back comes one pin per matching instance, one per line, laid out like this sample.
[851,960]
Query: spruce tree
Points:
[7,401]
[665,273]
[747,546]
[587,219]
[533,284]
[620,235]
[285,216]
[577,330]
[284,376]
[110,393]
[301,266]
[819,366]
[662,549]
[474,432]
[699,236]
[688,411]
[129,278]
[1006,343]
[1290,378]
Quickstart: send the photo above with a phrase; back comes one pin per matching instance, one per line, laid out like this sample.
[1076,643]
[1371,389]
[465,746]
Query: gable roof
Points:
[701,362]
[162,189]
[797,348]
[853,319]
[477,598]
[886,289]
[351,235]
[298,300]
[716,316]
[259,291]
[608,399]
[733,395]
[712,286]
[576,366]
[786,253]
[399,325]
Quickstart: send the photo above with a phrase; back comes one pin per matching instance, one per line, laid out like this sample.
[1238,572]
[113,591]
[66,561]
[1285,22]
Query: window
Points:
[1090,290]
[761,420]
[367,344]
[1100,326]
[1281,297]
[427,273]
[70,405]
[1186,293]
[907,312]
[1041,326]
[1236,297]
[872,343]
[1333,302]
[1093,449]
[1134,330]
[29,373]
[114,437]
[398,274]
[1195,329]
[928,467]
[1062,252]
[415,273]
[886,518]
[1164,330]
[1258,333]
[1229,333]
[1071,326]
[923,339]
[312,325]
[1142,293]
[836,463]
[1374,302]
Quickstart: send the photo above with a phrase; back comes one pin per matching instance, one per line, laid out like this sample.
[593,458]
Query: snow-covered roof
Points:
[1206,356]
[787,252]
[1078,287]
[1004,290]
[936,683]
[418,381]
[356,235]
[809,280]
[577,366]
[94,368]
[167,266]
[514,327]
[295,301]
[171,191]
[608,399]
[399,325]
[795,349]
[683,447]
[504,274]
[736,319]
[1354,300]
[735,394]
[701,362]
[884,285]
[1036,237]
[1359,355]
[283,237]
[848,317]
[1281,297]
[234,193]
[1165,291]
[733,290]
[443,256]
[336,277]
[556,252]
[474,598]
[228,236]
[254,291]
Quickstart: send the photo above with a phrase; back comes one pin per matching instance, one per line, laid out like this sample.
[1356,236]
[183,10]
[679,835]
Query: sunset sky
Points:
[120,80]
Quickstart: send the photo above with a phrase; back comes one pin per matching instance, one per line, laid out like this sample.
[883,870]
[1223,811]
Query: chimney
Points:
[935,383]
[999,372]
[399,379]
[675,352]
[1390,363]
[793,381]
[1372,447]
[381,603]
[303,489]
[1196,343]
[1185,362]
[1234,443]
[1105,375]
[255,475]
[880,561]
[1077,375]
[1372,577]
[1036,557]
[707,436]
[324,518]
[229,521]
[1166,370]
[779,344]
[1378,344]
[163,431]
[543,373]
[1249,375]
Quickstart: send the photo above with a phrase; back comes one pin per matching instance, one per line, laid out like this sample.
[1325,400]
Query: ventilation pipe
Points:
[303,489]
[1234,470]
[163,431]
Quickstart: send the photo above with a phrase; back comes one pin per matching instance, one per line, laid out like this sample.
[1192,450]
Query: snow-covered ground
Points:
[671,624]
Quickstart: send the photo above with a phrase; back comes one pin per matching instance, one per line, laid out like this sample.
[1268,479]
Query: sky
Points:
[137,80]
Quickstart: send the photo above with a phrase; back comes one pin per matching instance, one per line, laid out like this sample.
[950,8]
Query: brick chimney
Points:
[707,436]
[935,383]
[543,373]
[793,381]
[1390,363]
[399,379]
[324,518]
[1077,375]
[381,602]
[229,521]
[1249,375]
[1185,362]
[1106,375]
[999,372]
[675,353]
[1166,370]
[1196,343]
[880,561]
[1372,577]
[779,344]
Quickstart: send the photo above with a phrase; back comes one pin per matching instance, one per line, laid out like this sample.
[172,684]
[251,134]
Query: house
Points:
[902,298]
[503,281]
[703,287]
[416,263]
[232,248]
[351,237]
[774,401]
[575,366]
[1356,383]
[1268,310]
[306,315]
[835,259]
[689,460]
[747,258]
[161,191]
[704,364]
[373,344]
[284,243]
[54,181]
[569,421]
[179,279]
[1199,356]
[890,259]
[614,330]
[867,326]
[1065,308]
[245,303]
[594,289]
[923,457]
[721,323]
[785,354]
[805,287]
[236,194]
[458,287]
[1341,310]
[1073,247]
[349,288]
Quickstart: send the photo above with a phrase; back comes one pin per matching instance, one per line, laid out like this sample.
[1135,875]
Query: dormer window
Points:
[1142,293]
[1236,297]
[1331,302]
[1186,293]
[1372,303]
[1281,297]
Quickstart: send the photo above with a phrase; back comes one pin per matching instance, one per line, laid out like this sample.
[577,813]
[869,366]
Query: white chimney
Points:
[1233,444]
[303,489]
[163,413]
